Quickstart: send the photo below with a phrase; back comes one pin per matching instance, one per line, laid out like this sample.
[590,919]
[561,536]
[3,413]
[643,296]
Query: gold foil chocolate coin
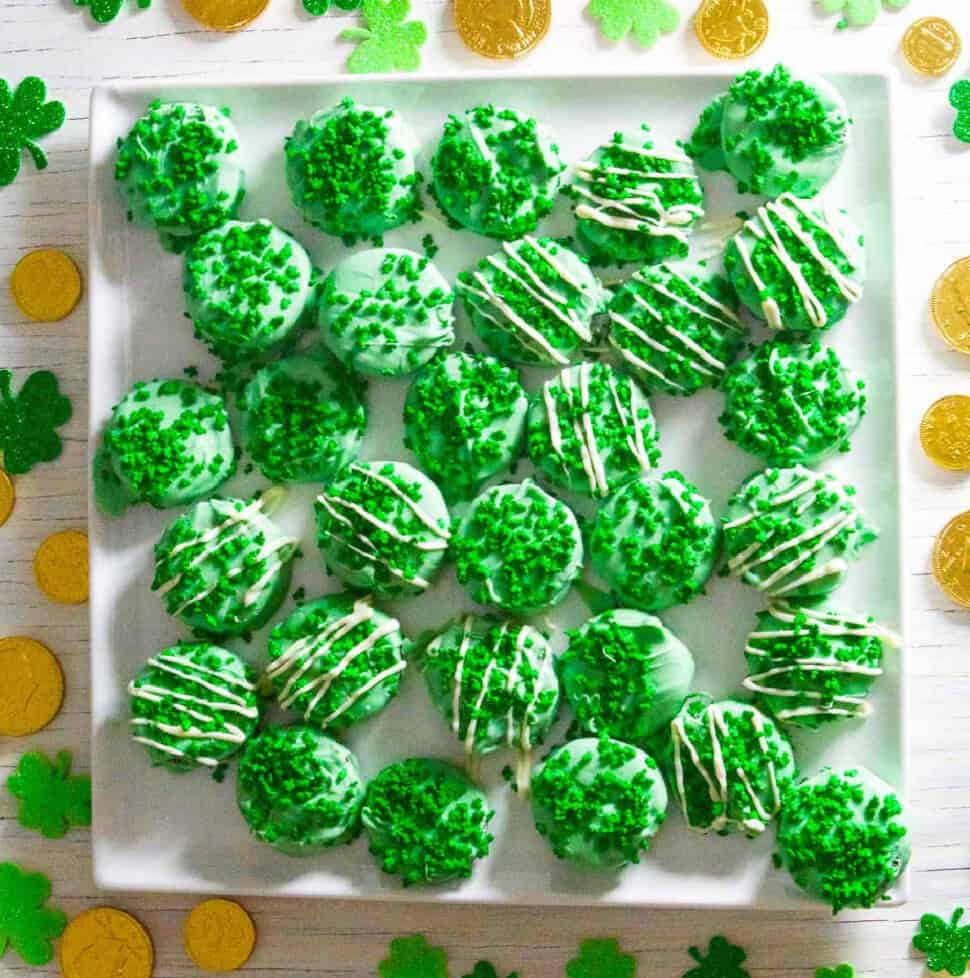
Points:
[61,567]
[944,432]
[502,28]
[951,559]
[46,285]
[950,305]
[731,28]
[105,943]
[7,497]
[932,46]
[31,686]
[219,935]
[225,15]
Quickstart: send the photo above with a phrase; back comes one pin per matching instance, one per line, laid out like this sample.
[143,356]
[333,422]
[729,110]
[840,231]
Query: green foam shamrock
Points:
[389,42]
[840,971]
[485,969]
[858,13]
[960,100]
[28,420]
[723,960]
[51,798]
[601,958]
[946,945]
[26,924]
[104,11]
[646,19]
[414,957]
[25,116]
[317,8]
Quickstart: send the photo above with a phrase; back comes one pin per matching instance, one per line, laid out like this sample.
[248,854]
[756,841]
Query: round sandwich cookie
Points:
[797,265]
[591,430]
[655,542]
[299,791]
[426,822]
[386,311]
[598,802]
[167,443]
[729,766]
[533,302]
[676,328]
[193,705]
[496,172]
[223,568]
[843,838]
[791,533]
[495,684]
[624,675]
[336,661]
[636,199]
[809,667]
[792,403]
[303,419]
[518,548]
[351,173]
[180,170]
[383,527]
[705,147]
[782,132]
[248,286]
[464,418]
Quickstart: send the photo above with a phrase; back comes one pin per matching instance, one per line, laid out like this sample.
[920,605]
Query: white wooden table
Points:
[301,938]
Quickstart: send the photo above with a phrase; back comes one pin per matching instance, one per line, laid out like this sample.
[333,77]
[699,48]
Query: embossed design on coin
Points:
[732,28]
[31,686]
[105,943]
[944,432]
[219,935]
[225,15]
[950,305]
[502,28]
[931,46]
[951,559]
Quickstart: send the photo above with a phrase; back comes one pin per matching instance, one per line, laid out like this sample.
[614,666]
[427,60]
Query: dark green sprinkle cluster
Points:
[842,839]
[705,147]
[792,403]
[426,822]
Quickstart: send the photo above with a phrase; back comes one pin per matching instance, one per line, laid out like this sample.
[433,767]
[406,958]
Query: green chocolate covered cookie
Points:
[705,147]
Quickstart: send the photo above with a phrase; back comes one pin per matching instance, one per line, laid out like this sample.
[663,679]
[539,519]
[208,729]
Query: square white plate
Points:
[154,830]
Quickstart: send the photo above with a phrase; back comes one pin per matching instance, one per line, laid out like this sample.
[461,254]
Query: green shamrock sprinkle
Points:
[601,958]
[51,798]
[946,945]
[723,960]
[839,971]
[414,957]
[485,969]
[645,19]
[25,116]
[317,8]
[104,11]
[26,924]
[389,42]
[28,420]
[960,100]
[858,13]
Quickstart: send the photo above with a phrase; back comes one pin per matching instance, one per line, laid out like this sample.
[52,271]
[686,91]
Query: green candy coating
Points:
[303,419]
[247,288]
[676,328]
[179,169]
[729,766]
[533,302]
[299,791]
[386,311]
[705,147]
[842,837]
[624,675]
[426,822]
[655,542]
[223,568]
[464,418]
[167,443]
[496,172]
[193,705]
[383,527]
[518,548]
[791,403]
[350,171]
[336,661]
[636,199]
[598,802]
[792,532]
[591,430]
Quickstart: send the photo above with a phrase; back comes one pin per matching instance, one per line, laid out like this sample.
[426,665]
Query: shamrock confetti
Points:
[51,798]
[414,957]
[960,100]
[485,969]
[723,960]
[28,420]
[104,11]
[317,8]
[841,971]
[389,42]
[646,19]
[26,924]
[24,117]
[601,958]
[858,13]
[946,945]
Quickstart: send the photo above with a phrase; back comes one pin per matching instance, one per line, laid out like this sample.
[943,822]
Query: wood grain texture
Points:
[302,938]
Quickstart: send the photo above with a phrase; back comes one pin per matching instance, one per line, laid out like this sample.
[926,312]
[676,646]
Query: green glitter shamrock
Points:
[317,8]
[51,799]
[26,924]
[646,19]
[485,969]
[946,945]
[858,13]
[28,420]
[414,957]
[960,100]
[723,960]
[104,11]
[389,42]
[601,958]
[840,971]
[24,117]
